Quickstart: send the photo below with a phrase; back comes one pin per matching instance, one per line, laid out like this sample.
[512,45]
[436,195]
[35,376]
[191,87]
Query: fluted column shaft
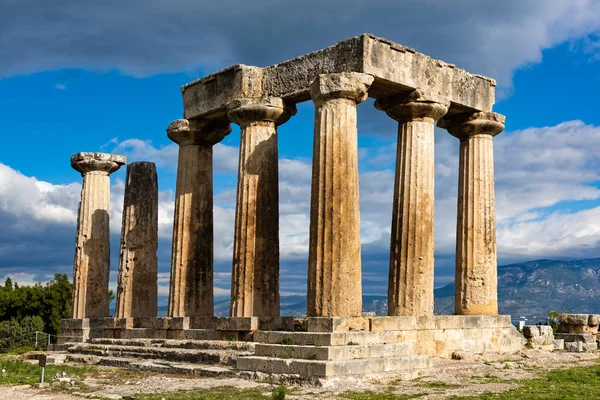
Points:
[137,290]
[334,265]
[91,266]
[255,269]
[191,288]
[476,290]
[411,273]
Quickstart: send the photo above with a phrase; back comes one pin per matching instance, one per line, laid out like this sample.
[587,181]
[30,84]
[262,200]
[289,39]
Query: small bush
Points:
[279,393]
[17,334]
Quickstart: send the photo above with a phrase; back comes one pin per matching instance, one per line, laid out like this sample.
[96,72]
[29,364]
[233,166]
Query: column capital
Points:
[246,110]
[186,132]
[345,85]
[414,106]
[473,123]
[87,162]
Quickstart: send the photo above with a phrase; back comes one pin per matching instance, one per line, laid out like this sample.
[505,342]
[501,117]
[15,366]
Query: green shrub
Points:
[16,334]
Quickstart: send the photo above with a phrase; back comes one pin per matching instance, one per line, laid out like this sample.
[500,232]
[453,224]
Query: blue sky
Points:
[106,77]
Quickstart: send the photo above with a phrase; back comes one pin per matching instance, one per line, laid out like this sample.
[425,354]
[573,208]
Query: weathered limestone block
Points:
[476,264]
[410,287]
[137,290]
[334,265]
[191,288]
[576,337]
[255,272]
[395,68]
[577,319]
[545,330]
[531,331]
[559,344]
[594,320]
[91,267]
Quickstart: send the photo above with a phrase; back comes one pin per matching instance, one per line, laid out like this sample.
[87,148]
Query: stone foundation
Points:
[320,347]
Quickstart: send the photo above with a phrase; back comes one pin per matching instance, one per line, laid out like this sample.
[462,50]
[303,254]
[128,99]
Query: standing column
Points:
[91,267]
[138,263]
[191,288]
[255,271]
[334,265]
[410,286]
[476,290]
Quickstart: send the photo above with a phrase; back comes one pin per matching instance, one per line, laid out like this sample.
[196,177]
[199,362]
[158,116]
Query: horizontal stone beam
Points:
[396,69]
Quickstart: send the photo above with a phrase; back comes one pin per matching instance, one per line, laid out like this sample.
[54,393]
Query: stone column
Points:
[91,267]
[476,269]
[410,286]
[334,265]
[255,271]
[138,264]
[191,289]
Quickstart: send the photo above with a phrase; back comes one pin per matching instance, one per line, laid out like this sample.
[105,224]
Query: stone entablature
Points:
[395,69]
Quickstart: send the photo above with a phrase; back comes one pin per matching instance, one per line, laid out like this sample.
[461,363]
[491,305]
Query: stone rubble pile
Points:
[578,331]
[540,337]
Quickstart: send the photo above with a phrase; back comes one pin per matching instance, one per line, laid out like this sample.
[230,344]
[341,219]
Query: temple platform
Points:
[310,350]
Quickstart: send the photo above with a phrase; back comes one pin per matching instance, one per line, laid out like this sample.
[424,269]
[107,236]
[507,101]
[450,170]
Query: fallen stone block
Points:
[577,319]
[559,344]
[530,331]
[546,330]
[576,337]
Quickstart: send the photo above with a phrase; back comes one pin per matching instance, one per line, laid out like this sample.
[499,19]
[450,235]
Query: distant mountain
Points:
[528,289]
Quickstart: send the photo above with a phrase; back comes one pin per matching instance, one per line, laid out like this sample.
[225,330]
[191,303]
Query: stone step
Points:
[332,338]
[206,356]
[179,344]
[160,366]
[328,369]
[333,352]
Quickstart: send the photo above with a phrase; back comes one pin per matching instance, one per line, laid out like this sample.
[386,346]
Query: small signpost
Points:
[43,358]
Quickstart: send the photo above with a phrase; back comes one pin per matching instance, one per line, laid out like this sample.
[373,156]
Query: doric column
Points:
[410,286]
[138,264]
[91,267]
[476,270]
[191,289]
[255,271]
[334,265]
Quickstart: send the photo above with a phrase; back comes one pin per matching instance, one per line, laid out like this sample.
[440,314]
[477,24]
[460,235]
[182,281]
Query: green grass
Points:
[574,383]
[19,372]
[438,385]
[222,393]
[369,395]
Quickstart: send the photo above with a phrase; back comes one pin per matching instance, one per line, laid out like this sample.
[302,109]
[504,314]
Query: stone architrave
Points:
[91,267]
[191,288]
[476,264]
[255,270]
[410,286]
[334,265]
[137,289]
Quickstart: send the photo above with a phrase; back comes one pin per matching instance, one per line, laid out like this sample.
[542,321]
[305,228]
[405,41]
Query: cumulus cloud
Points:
[156,36]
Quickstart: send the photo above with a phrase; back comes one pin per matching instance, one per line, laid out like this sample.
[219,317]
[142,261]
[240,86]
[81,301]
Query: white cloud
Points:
[60,86]
[478,36]
[542,174]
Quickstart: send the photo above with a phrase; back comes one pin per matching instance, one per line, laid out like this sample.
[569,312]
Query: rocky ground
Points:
[470,377]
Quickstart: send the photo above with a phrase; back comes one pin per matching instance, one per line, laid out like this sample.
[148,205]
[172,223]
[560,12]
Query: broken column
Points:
[410,285]
[191,287]
[138,263]
[91,267]
[476,290]
[255,271]
[334,265]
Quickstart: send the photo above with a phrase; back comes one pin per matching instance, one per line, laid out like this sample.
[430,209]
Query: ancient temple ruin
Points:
[335,339]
